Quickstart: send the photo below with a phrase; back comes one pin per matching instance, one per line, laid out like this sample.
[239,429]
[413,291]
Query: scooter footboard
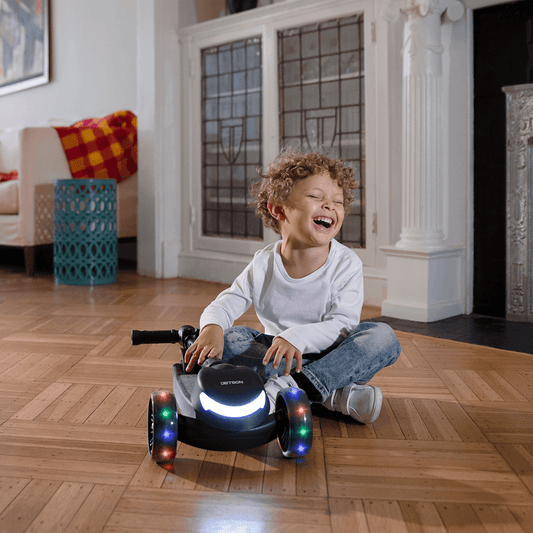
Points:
[183,385]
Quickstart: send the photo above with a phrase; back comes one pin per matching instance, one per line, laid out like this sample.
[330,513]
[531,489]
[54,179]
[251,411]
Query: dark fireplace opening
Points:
[503,55]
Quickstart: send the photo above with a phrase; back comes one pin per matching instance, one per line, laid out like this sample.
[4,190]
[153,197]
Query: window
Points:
[321,81]
[231,137]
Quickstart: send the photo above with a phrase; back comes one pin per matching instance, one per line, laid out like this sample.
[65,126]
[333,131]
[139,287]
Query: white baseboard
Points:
[417,312]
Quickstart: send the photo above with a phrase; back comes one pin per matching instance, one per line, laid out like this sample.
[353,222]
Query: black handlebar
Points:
[185,336]
[154,337]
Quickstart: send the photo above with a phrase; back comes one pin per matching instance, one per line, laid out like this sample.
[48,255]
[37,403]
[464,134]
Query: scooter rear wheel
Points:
[294,424]
[162,426]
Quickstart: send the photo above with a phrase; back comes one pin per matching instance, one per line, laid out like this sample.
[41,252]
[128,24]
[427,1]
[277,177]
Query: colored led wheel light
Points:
[167,454]
[162,426]
[294,392]
[303,431]
[294,424]
[167,434]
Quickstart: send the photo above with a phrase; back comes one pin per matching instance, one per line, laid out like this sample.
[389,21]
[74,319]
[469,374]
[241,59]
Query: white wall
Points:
[93,65]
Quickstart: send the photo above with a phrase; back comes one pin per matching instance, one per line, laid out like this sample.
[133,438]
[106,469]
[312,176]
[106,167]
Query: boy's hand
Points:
[210,343]
[281,348]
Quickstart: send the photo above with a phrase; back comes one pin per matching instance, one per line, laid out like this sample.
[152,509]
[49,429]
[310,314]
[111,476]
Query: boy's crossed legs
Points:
[336,380]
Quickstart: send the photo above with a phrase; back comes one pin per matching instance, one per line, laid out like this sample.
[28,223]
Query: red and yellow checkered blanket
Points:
[102,147]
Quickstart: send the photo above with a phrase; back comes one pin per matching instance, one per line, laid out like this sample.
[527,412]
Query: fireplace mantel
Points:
[519,288]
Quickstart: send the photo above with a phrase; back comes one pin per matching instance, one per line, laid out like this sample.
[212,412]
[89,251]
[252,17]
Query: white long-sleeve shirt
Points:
[312,313]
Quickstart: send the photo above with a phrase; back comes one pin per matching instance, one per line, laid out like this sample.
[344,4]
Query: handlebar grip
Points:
[170,336]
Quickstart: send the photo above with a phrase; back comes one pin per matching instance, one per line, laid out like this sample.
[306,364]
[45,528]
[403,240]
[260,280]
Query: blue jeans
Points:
[368,349]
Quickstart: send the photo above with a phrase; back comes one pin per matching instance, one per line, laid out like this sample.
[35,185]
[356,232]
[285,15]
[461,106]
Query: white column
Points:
[422,142]
[424,275]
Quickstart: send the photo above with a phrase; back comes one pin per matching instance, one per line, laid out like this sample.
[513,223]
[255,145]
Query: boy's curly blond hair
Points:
[291,166]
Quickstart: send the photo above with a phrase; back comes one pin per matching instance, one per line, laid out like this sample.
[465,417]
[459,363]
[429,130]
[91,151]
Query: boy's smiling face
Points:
[314,212]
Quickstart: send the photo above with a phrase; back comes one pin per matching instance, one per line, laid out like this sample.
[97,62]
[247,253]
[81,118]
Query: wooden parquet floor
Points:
[452,450]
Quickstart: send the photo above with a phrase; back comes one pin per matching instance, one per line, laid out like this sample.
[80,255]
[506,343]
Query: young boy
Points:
[307,290]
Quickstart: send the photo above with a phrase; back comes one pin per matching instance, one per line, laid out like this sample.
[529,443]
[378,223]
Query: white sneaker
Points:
[361,402]
[274,385]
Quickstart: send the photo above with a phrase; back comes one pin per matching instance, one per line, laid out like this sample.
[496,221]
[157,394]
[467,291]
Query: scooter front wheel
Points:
[294,424]
[162,426]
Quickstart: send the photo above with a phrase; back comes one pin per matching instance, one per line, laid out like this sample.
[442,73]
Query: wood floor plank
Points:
[412,355]
[436,422]
[524,516]
[311,472]
[421,517]
[8,360]
[95,511]
[347,516]
[61,508]
[34,408]
[501,386]
[461,422]
[248,471]
[28,449]
[412,383]
[384,516]
[520,460]
[23,510]
[186,468]
[67,344]
[111,406]
[503,422]
[458,516]
[10,488]
[457,386]
[518,382]
[51,367]
[88,403]
[142,509]
[134,410]
[10,323]
[216,471]
[497,519]
[451,451]
[149,474]
[409,419]
[74,471]
[424,471]
[15,394]
[155,374]
[90,435]
[64,403]
[280,475]
[102,310]
[479,386]
[25,365]
[386,426]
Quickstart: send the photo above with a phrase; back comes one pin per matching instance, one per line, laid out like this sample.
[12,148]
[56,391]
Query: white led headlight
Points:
[233,411]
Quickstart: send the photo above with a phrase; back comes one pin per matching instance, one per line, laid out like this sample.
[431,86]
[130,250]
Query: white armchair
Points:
[26,204]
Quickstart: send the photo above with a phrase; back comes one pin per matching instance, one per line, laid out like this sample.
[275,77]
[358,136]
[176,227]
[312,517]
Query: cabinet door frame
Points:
[264,23]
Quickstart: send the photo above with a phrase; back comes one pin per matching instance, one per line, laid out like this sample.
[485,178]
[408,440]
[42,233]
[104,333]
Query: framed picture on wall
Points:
[24,44]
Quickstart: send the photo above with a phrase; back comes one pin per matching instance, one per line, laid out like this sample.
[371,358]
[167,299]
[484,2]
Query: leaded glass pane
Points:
[321,77]
[231,137]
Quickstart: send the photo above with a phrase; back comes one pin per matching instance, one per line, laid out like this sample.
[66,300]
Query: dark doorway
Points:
[503,55]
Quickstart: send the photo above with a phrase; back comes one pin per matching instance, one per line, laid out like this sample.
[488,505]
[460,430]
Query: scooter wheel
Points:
[294,422]
[162,426]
